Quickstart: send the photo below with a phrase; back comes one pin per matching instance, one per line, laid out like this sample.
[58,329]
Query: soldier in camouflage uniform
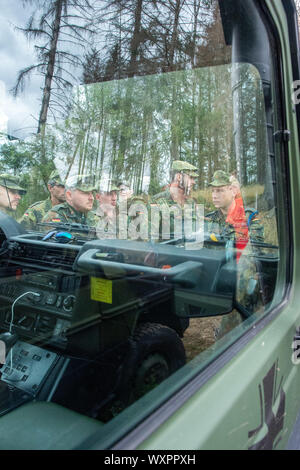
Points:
[125,192]
[169,219]
[107,211]
[35,213]
[10,193]
[79,203]
[137,209]
[229,224]
[229,221]
[120,215]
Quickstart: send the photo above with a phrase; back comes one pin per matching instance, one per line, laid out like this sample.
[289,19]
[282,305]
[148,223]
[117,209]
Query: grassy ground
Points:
[199,335]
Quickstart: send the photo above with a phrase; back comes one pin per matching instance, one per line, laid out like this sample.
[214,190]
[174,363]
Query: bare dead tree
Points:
[60,23]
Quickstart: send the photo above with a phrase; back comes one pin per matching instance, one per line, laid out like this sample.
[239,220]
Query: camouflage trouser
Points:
[247,293]
[249,289]
[228,322]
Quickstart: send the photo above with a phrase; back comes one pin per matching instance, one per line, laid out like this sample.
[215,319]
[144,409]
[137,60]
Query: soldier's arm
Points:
[138,219]
[213,228]
[93,219]
[28,219]
[256,230]
[52,216]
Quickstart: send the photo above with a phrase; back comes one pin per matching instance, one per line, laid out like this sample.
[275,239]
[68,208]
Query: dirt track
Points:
[199,335]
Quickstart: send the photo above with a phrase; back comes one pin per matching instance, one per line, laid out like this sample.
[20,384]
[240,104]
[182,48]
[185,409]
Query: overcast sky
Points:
[16,53]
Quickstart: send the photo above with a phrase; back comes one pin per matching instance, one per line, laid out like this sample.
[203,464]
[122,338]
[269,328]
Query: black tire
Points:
[158,352]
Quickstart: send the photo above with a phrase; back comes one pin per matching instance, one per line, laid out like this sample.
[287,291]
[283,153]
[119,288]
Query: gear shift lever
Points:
[7,340]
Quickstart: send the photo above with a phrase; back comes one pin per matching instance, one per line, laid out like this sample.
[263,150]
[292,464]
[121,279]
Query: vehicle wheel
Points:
[158,352]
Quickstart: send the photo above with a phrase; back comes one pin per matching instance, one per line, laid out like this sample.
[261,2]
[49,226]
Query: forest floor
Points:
[199,335]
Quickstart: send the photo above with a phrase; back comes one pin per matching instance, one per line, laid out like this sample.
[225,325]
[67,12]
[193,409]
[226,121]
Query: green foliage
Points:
[15,158]
[32,161]
[55,25]
[132,129]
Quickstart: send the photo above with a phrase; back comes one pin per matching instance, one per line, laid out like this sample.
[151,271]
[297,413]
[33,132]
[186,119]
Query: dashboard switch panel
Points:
[27,366]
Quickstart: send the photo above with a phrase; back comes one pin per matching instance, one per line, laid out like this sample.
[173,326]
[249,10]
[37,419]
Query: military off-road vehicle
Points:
[168,323]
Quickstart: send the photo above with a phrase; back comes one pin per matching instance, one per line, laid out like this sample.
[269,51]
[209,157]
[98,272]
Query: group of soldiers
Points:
[80,201]
[83,201]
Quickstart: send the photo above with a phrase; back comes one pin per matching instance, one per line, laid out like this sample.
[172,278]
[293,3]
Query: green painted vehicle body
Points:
[250,397]
[110,319]
[254,388]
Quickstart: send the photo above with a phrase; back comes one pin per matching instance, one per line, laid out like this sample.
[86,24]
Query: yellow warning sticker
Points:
[101,290]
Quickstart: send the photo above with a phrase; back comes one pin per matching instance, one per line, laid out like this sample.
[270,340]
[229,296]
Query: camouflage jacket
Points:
[126,221]
[106,222]
[217,228]
[131,218]
[169,219]
[64,213]
[35,214]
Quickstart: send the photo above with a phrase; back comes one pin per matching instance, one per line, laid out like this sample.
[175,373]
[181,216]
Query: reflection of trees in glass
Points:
[59,29]
[297,3]
[133,37]
[60,22]
[250,127]
[138,37]
[21,159]
[15,158]
[134,128]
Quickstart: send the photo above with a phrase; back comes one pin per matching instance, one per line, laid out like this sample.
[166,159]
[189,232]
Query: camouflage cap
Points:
[106,185]
[55,178]
[123,183]
[85,183]
[113,187]
[220,178]
[185,167]
[11,182]
[234,180]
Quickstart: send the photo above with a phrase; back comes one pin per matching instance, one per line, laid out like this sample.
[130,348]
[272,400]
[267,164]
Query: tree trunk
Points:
[174,38]
[135,41]
[73,157]
[196,7]
[50,68]
[102,150]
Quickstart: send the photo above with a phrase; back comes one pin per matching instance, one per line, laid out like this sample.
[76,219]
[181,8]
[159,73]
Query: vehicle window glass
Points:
[139,202]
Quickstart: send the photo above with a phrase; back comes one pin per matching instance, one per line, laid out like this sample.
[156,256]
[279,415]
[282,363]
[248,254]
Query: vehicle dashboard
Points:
[73,305]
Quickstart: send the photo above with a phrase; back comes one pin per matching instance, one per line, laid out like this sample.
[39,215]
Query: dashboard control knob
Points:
[68,303]
[51,299]
[34,296]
